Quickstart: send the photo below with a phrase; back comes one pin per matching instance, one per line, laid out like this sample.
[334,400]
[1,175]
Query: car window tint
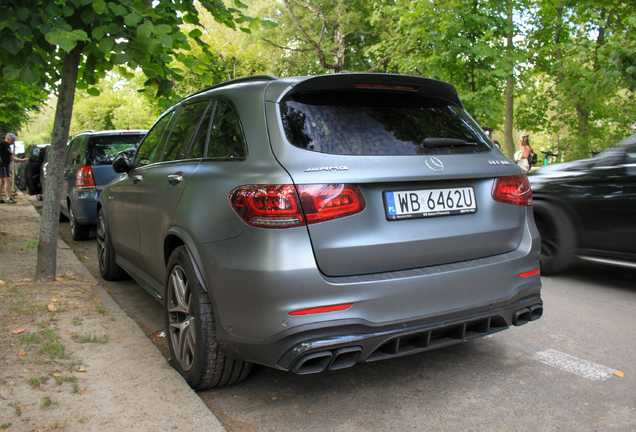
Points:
[226,138]
[150,148]
[377,123]
[103,149]
[179,142]
[73,155]
[630,155]
[201,137]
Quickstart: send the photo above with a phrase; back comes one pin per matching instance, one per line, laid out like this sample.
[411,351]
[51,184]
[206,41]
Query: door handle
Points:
[138,178]
[175,179]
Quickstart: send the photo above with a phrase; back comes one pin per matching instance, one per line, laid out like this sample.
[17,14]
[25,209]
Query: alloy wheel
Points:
[101,241]
[181,322]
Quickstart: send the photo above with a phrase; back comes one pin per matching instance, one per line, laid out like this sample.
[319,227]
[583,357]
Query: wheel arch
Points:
[561,205]
[177,236]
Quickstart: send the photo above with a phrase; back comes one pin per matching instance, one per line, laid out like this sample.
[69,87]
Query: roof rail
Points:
[90,130]
[236,81]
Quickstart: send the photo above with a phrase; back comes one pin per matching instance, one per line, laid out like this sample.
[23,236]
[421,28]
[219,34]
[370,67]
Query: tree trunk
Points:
[47,247]
[509,145]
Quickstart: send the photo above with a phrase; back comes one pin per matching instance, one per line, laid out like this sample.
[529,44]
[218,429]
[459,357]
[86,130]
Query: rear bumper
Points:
[85,206]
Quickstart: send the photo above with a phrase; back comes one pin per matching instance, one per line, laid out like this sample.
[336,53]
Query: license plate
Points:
[430,203]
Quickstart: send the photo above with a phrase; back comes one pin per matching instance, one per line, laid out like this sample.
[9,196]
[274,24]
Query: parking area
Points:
[559,373]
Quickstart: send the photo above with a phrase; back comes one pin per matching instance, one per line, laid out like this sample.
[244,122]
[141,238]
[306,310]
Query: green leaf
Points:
[11,45]
[10,73]
[189,62]
[118,9]
[154,47]
[88,16]
[162,29]
[98,33]
[132,19]
[122,58]
[93,91]
[81,85]
[165,87]
[195,33]
[99,6]
[107,45]
[166,41]
[68,10]
[22,14]
[53,10]
[28,76]
[145,30]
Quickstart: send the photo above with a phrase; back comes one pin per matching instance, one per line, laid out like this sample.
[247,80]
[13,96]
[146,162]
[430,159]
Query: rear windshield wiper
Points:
[446,142]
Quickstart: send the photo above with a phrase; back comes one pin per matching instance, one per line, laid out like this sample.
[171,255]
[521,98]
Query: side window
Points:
[226,139]
[630,155]
[150,148]
[184,128]
[201,137]
[73,151]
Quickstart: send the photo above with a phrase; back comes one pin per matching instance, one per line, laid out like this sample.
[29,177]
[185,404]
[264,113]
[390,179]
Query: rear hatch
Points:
[421,168]
[102,150]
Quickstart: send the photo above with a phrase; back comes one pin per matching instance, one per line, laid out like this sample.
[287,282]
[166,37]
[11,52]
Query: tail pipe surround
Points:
[332,360]
[525,315]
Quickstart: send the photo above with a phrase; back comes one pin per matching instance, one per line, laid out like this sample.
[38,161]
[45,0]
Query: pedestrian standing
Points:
[524,161]
[5,167]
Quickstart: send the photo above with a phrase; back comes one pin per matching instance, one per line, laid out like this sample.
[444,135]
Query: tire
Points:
[558,238]
[79,232]
[191,330]
[108,268]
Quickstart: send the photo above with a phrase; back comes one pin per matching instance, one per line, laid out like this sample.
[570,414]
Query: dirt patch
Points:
[70,358]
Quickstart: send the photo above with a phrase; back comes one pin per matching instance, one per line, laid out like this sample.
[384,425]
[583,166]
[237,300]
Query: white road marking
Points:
[568,363]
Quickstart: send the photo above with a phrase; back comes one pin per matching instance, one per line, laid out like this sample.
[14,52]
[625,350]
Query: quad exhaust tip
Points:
[525,315]
[332,360]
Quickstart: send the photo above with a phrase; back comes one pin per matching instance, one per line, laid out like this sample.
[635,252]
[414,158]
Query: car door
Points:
[123,193]
[608,210]
[161,185]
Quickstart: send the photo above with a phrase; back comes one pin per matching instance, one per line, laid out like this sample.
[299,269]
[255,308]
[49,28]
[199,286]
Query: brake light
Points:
[530,273]
[84,177]
[383,86]
[512,190]
[279,206]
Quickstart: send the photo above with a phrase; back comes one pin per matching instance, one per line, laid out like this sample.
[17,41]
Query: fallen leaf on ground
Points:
[2,283]
[21,353]
[54,299]
[236,396]
[586,404]
[309,412]
[274,398]
[18,331]
[58,279]
[69,332]
[104,373]
[52,308]
[85,257]
[56,374]
[81,370]
[84,391]
[620,374]
[600,418]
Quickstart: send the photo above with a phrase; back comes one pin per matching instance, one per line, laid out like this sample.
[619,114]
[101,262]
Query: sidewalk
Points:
[70,358]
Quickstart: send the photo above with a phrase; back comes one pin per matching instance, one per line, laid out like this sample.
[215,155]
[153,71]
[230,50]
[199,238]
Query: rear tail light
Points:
[84,177]
[512,190]
[284,206]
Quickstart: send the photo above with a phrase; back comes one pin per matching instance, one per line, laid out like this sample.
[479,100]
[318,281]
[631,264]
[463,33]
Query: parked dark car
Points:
[27,176]
[311,223]
[586,209]
[87,169]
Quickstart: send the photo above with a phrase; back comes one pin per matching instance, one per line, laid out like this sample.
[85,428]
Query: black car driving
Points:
[586,209]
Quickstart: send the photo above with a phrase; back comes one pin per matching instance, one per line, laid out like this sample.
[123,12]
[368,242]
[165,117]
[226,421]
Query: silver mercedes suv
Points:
[311,223]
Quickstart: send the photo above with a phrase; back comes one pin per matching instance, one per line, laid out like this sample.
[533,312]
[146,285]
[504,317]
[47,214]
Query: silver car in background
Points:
[311,223]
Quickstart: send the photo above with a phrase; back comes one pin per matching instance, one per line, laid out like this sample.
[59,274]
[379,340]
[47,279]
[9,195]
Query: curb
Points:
[160,372]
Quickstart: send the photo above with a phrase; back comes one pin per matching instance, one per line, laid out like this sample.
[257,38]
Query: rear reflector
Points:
[530,273]
[512,190]
[84,177]
[321,310]
[285,206]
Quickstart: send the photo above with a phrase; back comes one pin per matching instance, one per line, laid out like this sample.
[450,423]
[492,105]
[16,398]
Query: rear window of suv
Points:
[103,149]
[378,123]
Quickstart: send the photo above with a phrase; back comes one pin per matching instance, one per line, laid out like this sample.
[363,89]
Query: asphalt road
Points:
[553,374]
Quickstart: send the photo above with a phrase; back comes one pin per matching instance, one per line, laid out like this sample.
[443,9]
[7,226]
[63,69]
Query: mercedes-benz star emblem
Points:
[434,164]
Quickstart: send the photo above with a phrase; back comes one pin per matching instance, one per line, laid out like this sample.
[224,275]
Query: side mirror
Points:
[121,164]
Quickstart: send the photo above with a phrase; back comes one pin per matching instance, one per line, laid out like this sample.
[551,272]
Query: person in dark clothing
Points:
[5,167]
